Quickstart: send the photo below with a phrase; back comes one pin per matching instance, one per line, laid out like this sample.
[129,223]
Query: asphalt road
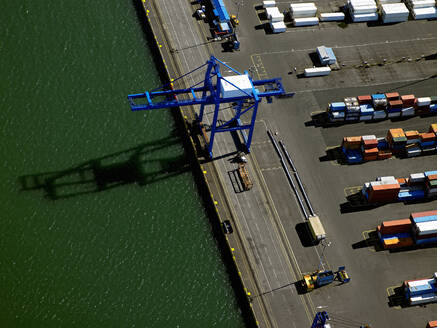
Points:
[270,248]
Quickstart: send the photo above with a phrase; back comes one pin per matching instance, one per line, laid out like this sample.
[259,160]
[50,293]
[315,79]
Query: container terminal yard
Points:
[266,198]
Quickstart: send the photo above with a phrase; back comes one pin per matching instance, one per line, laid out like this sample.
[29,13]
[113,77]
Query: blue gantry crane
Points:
[239,89]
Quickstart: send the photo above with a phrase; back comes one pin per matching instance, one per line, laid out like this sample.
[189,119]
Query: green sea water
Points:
[101,222]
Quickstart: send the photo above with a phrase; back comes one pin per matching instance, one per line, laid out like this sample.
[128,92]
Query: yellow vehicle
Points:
[234,20]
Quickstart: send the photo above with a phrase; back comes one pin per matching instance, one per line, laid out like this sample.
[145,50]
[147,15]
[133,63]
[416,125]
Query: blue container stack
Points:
[337,111]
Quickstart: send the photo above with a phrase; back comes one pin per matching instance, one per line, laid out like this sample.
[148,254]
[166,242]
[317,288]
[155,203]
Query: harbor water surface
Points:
[102,224]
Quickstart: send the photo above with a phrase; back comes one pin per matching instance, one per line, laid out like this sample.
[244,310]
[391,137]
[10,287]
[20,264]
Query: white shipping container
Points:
[424,101]
[302,4]
[361,2]
[425,13]
[368,9]
[422,299]
[426,228]
[409,111]
[417,283]
[394,8]
[364,18]
[274,15]
[389,1]
[394,114]
[421,3]
[307,21]
[269,3]
[278,27]
[242,86]
[331,17]
[368,137]
[417,177]
[317,71]
[379,114]
[304,11]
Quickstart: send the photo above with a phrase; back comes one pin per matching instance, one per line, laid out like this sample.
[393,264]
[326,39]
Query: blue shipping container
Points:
[378,96]
[338,107]
[425,218]
[430,173]
[426,241]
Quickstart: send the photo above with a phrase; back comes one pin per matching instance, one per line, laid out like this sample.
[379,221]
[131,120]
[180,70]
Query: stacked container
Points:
[419,229]
[423,105]
[397,141]
[382,106]
[393,12]
[304,14]
[337,111]
[431,183]
[424,226]
[352,109]
[351,147]
[362,10]
[395,233]
[383,190]
[276,19]
[369,147]
[422,9]
[389,189]
[421,291]
[412,148]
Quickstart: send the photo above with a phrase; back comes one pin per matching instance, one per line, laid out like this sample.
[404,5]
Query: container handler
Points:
[322,278]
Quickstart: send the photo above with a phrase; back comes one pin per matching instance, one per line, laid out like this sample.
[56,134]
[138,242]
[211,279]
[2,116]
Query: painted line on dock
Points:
[370,44]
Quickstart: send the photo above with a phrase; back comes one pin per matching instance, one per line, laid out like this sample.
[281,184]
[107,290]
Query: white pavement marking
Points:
[346,46]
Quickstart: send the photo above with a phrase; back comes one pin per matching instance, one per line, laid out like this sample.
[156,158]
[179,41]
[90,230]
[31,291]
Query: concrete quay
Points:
[267,246]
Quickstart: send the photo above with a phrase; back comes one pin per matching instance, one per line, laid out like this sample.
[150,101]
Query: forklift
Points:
[322,278]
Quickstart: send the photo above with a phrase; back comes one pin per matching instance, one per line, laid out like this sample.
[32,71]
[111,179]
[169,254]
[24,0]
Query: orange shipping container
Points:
[395,226]
[427,136]
[371,151]
[422,214]
[387,187]
[432,324]
[392,95]
[367,99]
[412,134]
[395,133]
[432,177]
[395,103]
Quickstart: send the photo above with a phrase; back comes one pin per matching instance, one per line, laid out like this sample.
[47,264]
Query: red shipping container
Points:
[367,99]
[422,214]
[392,95]
[432,177]
[375,198]
[395,226]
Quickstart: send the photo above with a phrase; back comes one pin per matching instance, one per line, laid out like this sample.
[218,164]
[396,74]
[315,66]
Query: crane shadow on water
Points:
[142,164]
